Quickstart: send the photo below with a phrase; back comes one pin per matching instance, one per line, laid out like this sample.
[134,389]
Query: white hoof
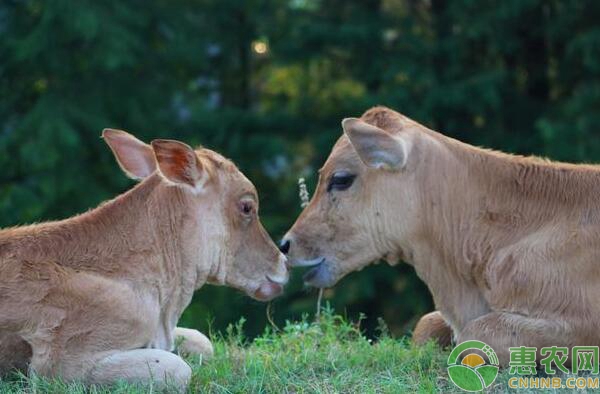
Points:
[193,342]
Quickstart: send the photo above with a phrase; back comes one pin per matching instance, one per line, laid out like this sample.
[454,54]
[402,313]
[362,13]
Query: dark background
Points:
[266,83]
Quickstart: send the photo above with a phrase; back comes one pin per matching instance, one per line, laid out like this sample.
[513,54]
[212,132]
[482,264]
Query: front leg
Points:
[432,326]
[192,342]
[163,369]
[501,330]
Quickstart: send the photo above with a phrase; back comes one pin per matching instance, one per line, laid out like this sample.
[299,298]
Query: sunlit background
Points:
[266,83]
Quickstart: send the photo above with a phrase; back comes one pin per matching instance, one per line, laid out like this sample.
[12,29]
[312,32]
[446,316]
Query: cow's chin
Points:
[325,272]
[321,275]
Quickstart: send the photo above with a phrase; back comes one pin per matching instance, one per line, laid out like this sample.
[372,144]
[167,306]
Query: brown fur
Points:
[81,294]
[508,245]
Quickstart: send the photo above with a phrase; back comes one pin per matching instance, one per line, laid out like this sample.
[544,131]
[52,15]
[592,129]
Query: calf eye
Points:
[247,207]
[340,181]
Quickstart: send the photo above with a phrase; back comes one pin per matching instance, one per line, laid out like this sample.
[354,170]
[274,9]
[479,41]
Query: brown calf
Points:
[509,246]
[97,297]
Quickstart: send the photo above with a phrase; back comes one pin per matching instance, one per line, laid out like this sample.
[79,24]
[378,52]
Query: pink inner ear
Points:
[177,162]
[134,157]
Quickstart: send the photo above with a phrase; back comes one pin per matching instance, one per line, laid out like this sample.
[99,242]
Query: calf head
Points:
[364,204]
[220,231]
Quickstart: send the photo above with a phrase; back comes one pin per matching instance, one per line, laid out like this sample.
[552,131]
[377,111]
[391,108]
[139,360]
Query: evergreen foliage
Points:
[518,75]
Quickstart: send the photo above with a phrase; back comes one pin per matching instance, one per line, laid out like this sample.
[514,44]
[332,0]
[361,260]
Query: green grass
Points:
[328,356]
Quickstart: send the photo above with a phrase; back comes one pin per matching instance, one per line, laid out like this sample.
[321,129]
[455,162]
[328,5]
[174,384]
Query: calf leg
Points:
[162,368]
[15,353]
[432,326]
[193,342]
[504,330]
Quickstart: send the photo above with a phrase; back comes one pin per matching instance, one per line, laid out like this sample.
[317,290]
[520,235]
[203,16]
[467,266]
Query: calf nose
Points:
[284,246]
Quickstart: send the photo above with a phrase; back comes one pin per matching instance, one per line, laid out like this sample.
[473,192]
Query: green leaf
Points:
[465,378]
[488,373]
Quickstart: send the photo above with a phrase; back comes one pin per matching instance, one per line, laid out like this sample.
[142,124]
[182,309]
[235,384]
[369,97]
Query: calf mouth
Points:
[306,263]
[267,291]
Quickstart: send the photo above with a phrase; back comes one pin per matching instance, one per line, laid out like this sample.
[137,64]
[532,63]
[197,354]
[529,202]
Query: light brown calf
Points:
[97,297]
[509,246]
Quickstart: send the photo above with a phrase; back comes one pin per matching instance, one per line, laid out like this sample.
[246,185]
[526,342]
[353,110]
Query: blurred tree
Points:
[266,83]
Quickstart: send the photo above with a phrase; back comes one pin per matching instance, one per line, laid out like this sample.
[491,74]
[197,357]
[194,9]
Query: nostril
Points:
[284,246]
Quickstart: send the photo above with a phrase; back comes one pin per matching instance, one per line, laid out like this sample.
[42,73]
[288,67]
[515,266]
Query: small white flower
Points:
[303,192]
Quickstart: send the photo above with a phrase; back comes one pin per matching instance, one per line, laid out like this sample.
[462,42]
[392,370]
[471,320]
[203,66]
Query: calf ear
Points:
[179,164]
[375,147]
[135,158]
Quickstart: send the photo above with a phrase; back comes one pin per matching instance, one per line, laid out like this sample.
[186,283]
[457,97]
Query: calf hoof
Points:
[432,326]
[193,343]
